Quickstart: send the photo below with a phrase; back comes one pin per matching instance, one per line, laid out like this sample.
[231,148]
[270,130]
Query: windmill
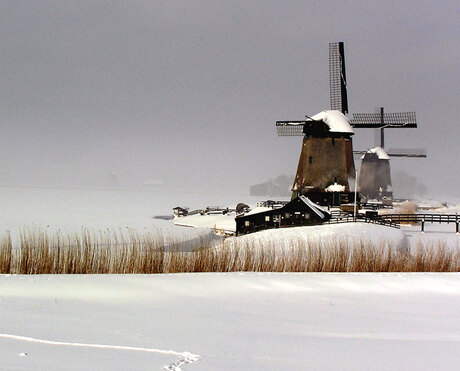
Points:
[375,175]
[326,160]
[375,178]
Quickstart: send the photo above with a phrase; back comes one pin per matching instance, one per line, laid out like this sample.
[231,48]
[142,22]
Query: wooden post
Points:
[423,226]
[356,194]
[457,227]
[382,122]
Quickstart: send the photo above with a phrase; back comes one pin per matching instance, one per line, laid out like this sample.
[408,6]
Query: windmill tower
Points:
[375,175]
[326,160]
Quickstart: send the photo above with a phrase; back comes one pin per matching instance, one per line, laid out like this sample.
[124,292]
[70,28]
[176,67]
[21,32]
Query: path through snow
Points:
[185,357]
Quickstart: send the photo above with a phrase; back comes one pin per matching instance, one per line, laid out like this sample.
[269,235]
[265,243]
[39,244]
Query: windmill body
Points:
[375,176]
[326,159]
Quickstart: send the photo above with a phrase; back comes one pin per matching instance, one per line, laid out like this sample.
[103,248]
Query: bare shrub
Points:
[6,254]
[406,207]
[122,252]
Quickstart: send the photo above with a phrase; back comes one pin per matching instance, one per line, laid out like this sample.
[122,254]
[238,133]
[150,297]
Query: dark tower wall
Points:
[324,161]
[374,177]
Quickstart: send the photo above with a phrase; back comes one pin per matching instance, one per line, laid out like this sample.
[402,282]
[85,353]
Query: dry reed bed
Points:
[90,253]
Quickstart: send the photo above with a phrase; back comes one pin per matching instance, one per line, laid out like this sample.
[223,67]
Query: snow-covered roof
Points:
[320,211]
[380,152]
[336,120]
[257,210]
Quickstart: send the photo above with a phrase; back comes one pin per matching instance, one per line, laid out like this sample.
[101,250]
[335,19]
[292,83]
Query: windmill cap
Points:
[336,120]
[380,152]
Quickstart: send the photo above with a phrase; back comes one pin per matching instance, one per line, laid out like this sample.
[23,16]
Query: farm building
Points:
[298,212]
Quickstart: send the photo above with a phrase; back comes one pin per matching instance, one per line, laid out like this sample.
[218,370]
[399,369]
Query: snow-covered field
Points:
[68,210]
[239,321]
[217,321]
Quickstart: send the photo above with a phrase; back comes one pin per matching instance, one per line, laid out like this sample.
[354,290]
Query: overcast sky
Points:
[188,91]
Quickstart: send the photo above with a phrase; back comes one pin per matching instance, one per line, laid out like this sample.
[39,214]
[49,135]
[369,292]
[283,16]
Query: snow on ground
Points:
[249,321]
[237,321]
[329,232]
[225,222]
[68,210]
[443,234]
[451,209]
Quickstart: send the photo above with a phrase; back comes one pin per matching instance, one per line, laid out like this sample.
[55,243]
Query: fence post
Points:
[457,227]
[423,226]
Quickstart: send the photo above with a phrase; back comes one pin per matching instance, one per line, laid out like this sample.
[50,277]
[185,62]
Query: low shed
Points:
[298,212]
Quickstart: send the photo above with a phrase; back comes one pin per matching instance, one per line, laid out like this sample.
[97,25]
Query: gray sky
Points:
[188,91]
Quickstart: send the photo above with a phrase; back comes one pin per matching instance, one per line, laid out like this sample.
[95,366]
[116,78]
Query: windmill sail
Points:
[290,128]
[337,77]
[407,152]
[377,120]
[399,152]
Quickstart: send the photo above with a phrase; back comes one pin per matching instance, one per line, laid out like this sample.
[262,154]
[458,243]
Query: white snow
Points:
[319,210]
[335,188]
[238,321]
[380,152]
[336,120]
[215,321]
[224,222]
[258,209]
[326,233]
[70,210]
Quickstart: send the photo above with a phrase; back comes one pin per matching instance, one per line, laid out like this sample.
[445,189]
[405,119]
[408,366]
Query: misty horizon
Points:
[187,94]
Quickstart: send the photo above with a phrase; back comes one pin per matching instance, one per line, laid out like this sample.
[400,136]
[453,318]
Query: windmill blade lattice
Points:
[376,120]
[290,128]
[337,78]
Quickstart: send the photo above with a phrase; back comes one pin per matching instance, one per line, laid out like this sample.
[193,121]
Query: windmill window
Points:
[310,159]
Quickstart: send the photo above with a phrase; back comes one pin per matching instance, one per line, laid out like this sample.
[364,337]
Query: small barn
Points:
[300,211]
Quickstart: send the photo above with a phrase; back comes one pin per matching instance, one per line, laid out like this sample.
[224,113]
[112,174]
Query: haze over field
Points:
[187,93]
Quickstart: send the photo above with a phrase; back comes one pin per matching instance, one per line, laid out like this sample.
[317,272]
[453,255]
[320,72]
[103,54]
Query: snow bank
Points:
[326,234]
